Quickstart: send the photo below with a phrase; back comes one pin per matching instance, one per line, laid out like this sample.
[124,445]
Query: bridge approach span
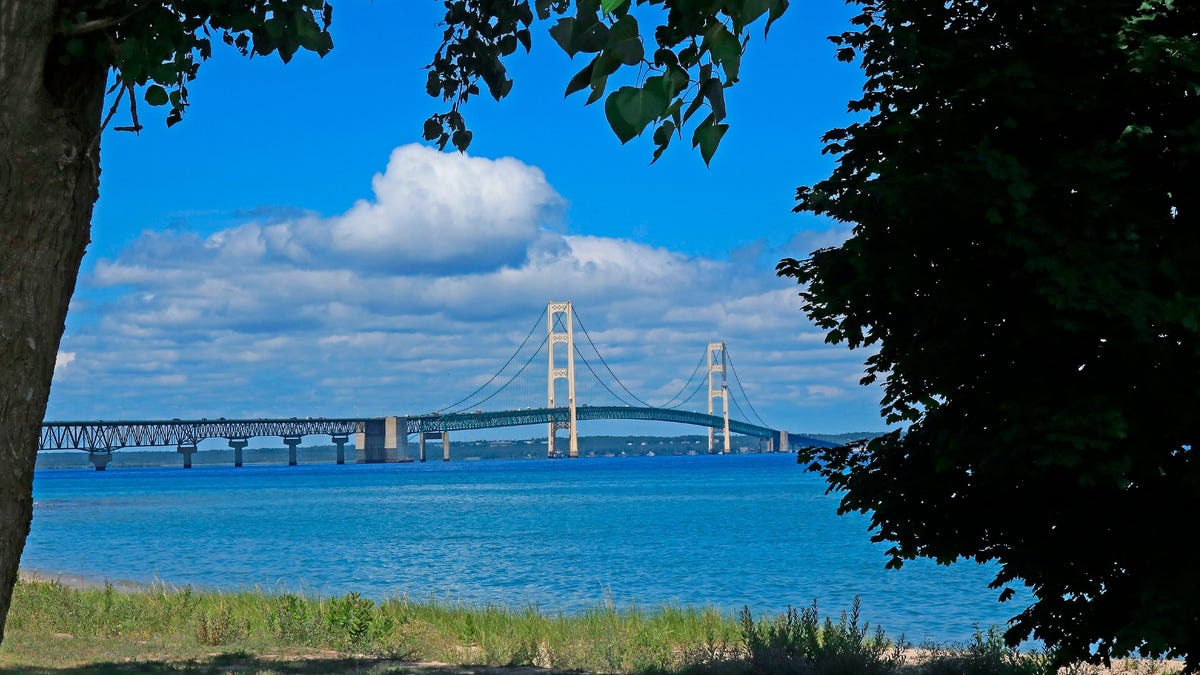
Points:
[111,435]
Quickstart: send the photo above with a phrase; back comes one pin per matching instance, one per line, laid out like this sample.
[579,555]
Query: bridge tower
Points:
[556,373]
[716,366]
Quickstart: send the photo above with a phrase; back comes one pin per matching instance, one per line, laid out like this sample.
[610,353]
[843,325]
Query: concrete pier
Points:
[291,442]
[379,441]
[433,436]
[340,442]
[100,459]
[187,451]
[238,444]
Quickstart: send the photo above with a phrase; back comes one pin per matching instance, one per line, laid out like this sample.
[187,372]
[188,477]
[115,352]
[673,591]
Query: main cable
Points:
[743,390]
[510,380]
[602,384]
[685,384]
[606,366]
[699,386]
[506,363]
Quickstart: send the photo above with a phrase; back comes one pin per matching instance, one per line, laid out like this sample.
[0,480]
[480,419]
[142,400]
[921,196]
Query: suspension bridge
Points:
[703,400]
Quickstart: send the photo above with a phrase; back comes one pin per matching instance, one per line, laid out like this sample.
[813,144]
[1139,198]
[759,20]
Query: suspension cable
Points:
[739,409]
[506,363]
[743,389]
[510,380]
[695,391]
[602,384]
[606,366]
[685,384]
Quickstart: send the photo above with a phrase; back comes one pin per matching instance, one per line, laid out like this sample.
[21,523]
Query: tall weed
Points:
[798,642]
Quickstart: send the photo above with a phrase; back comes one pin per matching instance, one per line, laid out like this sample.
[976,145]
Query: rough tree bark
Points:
[49,177]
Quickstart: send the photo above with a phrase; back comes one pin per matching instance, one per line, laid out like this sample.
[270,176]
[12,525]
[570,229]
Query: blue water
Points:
[724,531]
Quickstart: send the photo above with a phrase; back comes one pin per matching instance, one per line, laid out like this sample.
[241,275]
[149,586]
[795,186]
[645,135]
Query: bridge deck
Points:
[102,435]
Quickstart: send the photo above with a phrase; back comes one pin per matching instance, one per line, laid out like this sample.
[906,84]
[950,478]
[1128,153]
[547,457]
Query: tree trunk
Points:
[49,176]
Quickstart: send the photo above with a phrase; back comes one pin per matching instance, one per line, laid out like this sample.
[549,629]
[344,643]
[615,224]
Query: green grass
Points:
[56,629]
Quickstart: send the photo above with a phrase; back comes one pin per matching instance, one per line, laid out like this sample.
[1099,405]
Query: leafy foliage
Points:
[1024,261]
[697,55]
[158,46]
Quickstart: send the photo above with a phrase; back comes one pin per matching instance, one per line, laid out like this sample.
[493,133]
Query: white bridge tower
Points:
[716,366]
[556,373]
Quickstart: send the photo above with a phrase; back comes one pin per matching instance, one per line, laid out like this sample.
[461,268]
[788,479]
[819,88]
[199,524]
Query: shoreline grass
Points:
[55,628]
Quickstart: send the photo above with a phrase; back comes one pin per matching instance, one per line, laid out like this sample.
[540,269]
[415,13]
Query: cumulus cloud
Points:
[408,301]
[62,360]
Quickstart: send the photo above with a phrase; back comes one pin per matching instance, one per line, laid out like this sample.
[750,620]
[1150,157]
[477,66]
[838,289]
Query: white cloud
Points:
[432,206]
[62,360]
[407,302]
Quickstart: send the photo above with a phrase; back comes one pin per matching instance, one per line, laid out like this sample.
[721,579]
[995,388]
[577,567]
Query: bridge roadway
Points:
[374,435]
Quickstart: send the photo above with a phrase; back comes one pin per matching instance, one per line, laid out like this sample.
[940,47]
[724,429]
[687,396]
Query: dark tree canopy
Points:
[695,55]
[1025,259]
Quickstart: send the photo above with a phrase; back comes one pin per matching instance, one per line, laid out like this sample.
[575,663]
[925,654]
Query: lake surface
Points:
[725,531]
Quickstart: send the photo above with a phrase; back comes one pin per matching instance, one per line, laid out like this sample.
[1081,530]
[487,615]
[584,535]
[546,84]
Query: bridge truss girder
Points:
[106,436]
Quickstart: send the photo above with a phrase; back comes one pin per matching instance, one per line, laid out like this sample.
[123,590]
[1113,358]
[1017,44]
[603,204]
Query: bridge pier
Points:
[291,442]
[377,443]
[187,451]
[783,442]
[100,459]
[340,442]
[433,436]
[238,444]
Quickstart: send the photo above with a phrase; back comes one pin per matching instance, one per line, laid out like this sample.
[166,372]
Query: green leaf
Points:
[624,41]
[432,129]
[725,49]
[608,6]
[675,81]
[754,9]
[591,39]
[715,93]
[708,137]
[603,65]
[563,32]
[630,109]
[156,95]
[778,7]
[581,79]
[508,44]
[692,108]
[462,139]
[662,135]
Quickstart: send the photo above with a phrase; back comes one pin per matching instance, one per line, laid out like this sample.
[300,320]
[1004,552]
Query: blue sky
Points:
[293,249]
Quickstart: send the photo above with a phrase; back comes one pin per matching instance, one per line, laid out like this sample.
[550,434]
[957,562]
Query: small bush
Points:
[797,642]
[289,618]
[348,621]
[220,627]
